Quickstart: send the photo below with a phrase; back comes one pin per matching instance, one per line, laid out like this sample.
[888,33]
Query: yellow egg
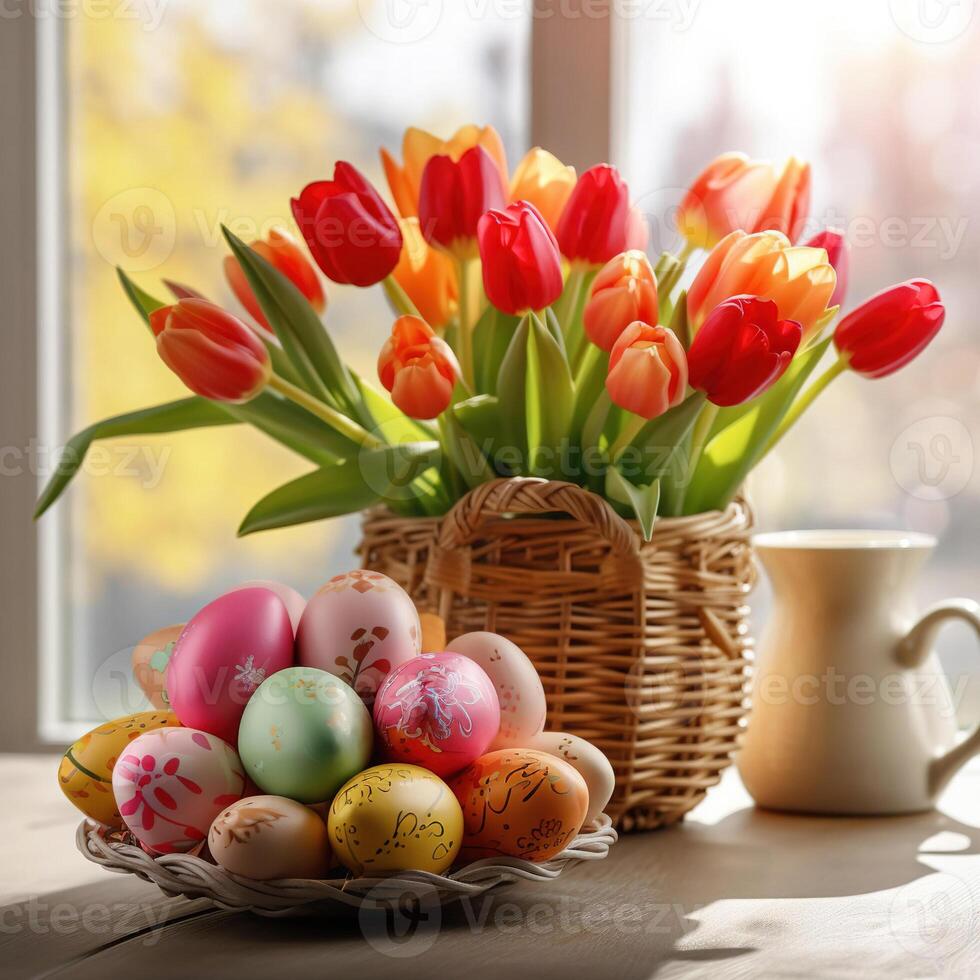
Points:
[395,818]
[85,773]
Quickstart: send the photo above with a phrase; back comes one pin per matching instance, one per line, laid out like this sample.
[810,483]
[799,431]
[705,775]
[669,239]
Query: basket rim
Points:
[195,877]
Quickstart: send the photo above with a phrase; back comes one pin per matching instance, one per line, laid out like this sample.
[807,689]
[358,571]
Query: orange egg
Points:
[519,803]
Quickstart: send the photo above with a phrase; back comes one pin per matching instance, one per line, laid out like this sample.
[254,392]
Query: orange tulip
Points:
[624,290]
[418,368]
[418,147]
[543,180]
[427,275]
[647,370]
[736,193]
[282,251]
[789,205]
[798,279]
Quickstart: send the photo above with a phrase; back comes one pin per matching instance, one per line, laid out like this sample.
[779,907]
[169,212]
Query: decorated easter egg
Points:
[304,733]
[291,599]
[266,837]
[520,803]
[395,818]
[85,773]
[590,762]
[150,658]
[170,785]
[224,653]
[439,711]
[359,626]
[519,690]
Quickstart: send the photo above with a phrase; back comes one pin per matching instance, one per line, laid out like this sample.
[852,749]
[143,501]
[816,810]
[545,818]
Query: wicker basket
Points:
[642,646]
[194,877]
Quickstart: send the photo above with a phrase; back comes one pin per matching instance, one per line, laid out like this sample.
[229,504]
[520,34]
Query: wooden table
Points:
[733,892]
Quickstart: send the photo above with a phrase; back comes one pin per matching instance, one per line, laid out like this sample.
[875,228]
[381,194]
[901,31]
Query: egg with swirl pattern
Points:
[520,803]
[395,817]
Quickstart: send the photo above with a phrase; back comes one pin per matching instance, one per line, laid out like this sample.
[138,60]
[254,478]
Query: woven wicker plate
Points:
[194,877]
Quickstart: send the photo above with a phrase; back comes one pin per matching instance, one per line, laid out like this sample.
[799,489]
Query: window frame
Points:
[571,63]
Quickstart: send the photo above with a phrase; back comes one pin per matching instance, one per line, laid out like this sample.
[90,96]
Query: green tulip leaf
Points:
[491,337]
[511,382]
[643,500]
[344,487]
[549,397]
[189,413]
[142,301]
[479,416]
[731,454]
[301,333]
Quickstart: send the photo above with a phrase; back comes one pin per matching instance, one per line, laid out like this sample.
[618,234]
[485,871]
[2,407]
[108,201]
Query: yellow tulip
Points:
[544,181]
[427,275]
[419,146]
[798,279]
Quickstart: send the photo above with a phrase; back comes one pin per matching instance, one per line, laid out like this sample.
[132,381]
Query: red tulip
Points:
[418,368]
[839,256]
[890,329]
[625,290]
[521,263]
[212,352]
[280,250]
[647,370]
[454,195]
[597,222]
[350,231]
[741,349]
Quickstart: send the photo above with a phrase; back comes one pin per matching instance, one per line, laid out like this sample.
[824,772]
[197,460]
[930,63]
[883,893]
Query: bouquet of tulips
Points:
[532,336]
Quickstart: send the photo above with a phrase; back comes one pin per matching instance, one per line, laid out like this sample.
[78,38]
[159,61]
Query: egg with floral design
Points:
[170,784]
[520,803]
[590,762]
[224,653]
[439,711]
[359,626]
[395,817]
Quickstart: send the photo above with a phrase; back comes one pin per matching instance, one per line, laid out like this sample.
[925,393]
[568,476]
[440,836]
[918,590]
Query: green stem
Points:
[565,306]
[399,299]
[803,403]
[336,420]
[629,432]
[686,252]
[699,437]
[464,338]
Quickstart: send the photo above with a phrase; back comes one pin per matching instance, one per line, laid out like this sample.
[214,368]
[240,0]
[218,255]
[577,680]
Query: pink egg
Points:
[169,790]
[359,627]
[439,711]
[224,653]
[291,599]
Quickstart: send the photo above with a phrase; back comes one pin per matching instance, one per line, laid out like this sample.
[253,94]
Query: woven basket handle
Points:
[532,495]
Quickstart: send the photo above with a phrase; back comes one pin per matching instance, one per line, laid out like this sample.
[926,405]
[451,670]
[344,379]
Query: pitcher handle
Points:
[912,652]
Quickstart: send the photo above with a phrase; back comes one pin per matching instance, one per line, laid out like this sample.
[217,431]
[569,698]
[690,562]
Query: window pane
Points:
[881,102]
[218,113]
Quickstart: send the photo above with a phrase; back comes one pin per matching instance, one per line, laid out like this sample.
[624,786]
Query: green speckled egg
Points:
[304,733]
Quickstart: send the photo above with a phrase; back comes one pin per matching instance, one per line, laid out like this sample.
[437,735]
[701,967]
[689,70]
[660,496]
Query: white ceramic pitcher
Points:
[851,712]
